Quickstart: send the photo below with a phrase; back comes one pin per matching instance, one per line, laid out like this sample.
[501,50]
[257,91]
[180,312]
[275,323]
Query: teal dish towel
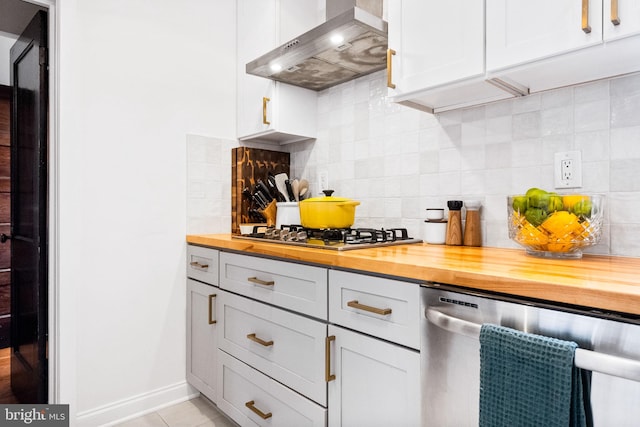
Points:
[530,380]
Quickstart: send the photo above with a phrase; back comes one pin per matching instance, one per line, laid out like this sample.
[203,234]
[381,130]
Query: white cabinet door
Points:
[439,55]
[521,31]
[267,110]
[436,42]
[202,340]
[622,21]
[376,383]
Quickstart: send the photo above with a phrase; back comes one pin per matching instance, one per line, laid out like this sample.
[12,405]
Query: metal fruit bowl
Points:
[555,225]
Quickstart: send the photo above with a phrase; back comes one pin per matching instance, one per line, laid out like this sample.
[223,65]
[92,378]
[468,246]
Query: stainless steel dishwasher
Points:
[450,352]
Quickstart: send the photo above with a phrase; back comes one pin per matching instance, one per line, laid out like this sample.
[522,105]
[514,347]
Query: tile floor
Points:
[198,412]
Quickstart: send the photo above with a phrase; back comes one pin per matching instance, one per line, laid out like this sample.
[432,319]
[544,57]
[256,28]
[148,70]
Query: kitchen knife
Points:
[264,190]
[263,201]
[271,181]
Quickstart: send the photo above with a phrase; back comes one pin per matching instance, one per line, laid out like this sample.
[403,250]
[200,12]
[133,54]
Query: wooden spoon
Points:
[303,187]
[295,184]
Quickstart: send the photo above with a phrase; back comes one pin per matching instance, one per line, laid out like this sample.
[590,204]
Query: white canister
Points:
[287,213]
[435,232]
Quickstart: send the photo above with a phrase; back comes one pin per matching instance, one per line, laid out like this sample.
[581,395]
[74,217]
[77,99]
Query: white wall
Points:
[6,41]
[135,79]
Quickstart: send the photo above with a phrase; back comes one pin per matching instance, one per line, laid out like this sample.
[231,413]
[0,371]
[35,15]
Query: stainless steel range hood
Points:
[351,43]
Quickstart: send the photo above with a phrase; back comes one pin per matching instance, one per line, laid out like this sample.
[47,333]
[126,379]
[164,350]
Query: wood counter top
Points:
[602,282]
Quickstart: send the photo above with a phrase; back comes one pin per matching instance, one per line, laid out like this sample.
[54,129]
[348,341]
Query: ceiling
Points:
[15,15]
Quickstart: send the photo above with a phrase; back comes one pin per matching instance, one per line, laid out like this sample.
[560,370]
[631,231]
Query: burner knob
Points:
[328,193]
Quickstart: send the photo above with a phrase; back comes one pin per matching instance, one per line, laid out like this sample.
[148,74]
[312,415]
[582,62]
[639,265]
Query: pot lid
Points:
[327,198]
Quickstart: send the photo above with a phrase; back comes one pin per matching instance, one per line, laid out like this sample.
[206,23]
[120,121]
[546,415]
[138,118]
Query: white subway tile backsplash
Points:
[526,125]
[557,121]
[399,161]
[625,143]
[593,91]
[591,116]
[624,175]
[556,98]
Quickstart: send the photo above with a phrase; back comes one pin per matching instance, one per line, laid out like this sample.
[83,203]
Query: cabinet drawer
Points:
[202,264]
[242,387]
[287,347]
[384,308]
[300,288]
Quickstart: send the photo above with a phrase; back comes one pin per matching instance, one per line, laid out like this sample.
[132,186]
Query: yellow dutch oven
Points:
[328,211]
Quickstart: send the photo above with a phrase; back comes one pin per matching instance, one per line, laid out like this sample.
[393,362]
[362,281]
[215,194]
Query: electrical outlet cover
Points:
[567,169]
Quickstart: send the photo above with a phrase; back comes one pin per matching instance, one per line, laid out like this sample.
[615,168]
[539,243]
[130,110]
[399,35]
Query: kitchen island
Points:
[605,283]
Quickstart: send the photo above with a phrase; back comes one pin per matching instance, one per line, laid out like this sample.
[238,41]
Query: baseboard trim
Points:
[136,406]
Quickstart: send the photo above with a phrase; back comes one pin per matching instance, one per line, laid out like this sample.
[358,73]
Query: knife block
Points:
[248,165]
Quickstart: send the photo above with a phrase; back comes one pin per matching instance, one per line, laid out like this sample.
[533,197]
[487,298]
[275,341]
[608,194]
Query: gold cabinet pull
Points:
[615,19]
[211,319]
[261,282]
[254,338]
[328,376]
[390,84]
[264,110]
[585,17]
[196,264]
[251,405]
[376,310]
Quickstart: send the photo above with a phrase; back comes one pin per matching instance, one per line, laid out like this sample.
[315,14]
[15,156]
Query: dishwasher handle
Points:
[585,359]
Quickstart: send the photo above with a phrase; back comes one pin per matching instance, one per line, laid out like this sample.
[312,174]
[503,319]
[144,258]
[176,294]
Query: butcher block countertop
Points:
[601,282]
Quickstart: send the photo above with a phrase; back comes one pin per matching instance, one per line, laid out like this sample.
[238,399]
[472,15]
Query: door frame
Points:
[54,392]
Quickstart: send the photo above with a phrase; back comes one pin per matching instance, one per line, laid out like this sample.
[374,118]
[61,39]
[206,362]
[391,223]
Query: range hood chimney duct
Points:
[350,44]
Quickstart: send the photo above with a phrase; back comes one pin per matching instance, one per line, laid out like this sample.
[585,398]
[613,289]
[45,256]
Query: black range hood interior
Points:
[351,44]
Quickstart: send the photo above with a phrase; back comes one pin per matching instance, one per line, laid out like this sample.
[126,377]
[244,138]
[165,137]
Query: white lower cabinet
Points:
[376,383]
[251,398]
[287,344]
[202,342]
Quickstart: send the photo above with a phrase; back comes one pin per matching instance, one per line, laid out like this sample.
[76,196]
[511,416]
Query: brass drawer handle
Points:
[585,17]
[376,310]
[254,338]
[615,18]
[265,100]
[390,84]
[196,264]
[261,282]
[328,376]
[250,404]
[211,320]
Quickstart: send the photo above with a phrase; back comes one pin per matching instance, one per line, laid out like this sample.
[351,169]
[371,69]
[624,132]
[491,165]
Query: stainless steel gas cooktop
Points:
[343,239]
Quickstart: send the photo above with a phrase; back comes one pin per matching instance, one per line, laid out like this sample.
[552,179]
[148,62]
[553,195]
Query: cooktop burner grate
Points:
[336,239]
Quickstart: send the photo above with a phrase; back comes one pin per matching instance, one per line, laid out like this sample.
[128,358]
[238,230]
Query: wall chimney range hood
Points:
[350,44]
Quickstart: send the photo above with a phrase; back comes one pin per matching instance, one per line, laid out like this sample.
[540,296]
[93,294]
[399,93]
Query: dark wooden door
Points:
[5,215]
[29,78]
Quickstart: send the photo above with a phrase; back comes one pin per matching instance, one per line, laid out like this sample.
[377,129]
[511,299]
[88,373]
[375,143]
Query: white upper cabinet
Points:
[437,61]
[435,42]
[621,18]
[548,44]
[271,111]
[520,31]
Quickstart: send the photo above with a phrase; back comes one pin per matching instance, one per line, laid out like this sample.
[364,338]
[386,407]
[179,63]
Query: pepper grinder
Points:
[472,228]
[454,226]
